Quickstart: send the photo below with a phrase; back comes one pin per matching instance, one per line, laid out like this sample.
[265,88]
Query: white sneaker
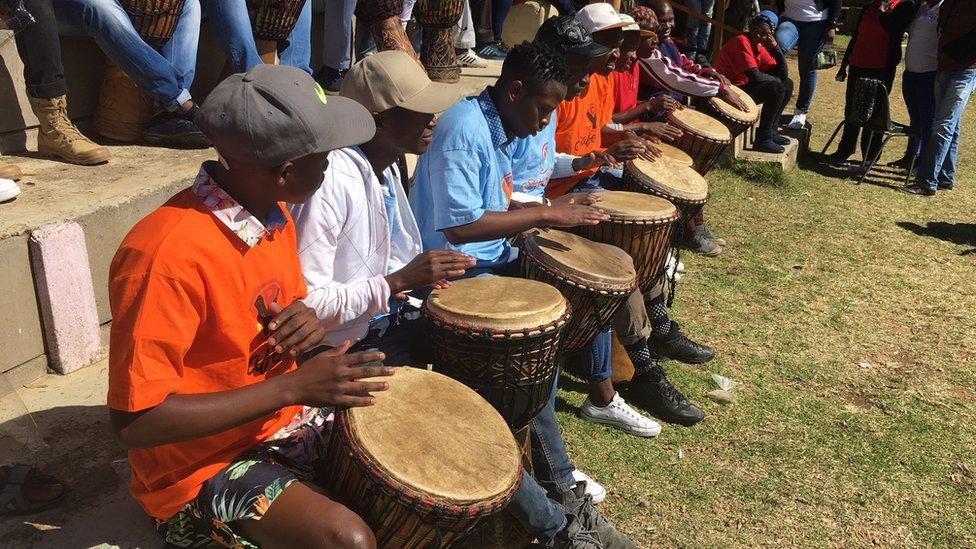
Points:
[798,121]
[593,488]
[469,59]
[8,190]
[620,415]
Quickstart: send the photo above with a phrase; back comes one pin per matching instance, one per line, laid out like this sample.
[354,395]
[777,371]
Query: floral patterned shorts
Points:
[246,488]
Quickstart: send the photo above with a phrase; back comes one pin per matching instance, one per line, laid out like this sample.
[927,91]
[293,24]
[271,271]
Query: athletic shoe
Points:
[768,145]
[838,159]
[620,415]
[8,190]
[656,394]
[593,488]
[902,163]
[469,59]
[575,536]
[173,130]
[707,233]
[946,186]
[676,346]
[780,139]
[918,191]
[489,51]
[701,245]
[579,504]
[799,120]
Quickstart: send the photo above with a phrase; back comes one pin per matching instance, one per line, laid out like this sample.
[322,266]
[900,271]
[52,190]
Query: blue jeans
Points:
[598,360]
[696,31]
[938,164]
[807,38]
[338,35]
[918,89]
[165,75]
[231,23]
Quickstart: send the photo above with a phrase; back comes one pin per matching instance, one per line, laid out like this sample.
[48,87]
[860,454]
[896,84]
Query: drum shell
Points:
[514,371]
[443,14]
[273,19]
[398,518]
[647,242]
[704,151]
[736,127]
[371,11]
[592,308]
[154,20]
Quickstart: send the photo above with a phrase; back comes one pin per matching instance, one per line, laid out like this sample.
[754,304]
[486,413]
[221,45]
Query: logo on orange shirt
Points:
[591,116]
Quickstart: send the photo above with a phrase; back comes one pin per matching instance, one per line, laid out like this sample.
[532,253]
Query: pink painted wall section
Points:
[66,297]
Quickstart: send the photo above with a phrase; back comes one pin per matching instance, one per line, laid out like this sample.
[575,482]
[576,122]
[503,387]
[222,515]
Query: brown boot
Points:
[58,136]
[9,171]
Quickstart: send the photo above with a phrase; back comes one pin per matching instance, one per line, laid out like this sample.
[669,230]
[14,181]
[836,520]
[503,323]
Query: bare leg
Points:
[601,392]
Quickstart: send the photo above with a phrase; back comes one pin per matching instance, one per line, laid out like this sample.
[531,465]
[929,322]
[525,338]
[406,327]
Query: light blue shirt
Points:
[533,159]
[464,174]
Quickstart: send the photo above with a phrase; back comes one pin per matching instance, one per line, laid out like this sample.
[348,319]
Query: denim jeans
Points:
[337,42]
[807,38]
[938,164]
[918,89]
[230,21]
[697,31]
[165,75]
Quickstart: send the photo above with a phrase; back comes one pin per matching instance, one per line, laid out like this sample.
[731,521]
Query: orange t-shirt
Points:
[185,293]
[578,125]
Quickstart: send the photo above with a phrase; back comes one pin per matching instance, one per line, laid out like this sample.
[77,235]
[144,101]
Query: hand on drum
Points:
[660,130]
[594,160]
[333,378]
[574,215]
[431,268]
[627,149]
[295,329]
[662,104]
[730,97]
[577,198]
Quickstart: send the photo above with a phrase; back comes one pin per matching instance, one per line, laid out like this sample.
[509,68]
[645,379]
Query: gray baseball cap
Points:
[274,114]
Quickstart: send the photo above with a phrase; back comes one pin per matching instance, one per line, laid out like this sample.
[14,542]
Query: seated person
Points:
[39,47]
[164,73]
[626,80]
[232,25]
[224,431]
[754,62]
[357,238]
[460,197]
[633,324]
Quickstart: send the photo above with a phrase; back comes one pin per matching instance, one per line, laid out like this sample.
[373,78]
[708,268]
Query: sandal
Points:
[15,496]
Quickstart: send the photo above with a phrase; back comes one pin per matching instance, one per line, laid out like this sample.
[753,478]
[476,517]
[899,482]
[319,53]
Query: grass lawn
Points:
[845,314]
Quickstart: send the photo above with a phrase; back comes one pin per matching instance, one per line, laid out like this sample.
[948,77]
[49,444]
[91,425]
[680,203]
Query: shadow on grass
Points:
[880,175]
[963,234]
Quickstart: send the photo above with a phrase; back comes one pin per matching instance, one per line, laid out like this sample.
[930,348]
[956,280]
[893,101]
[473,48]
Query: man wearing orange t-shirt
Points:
[222,427]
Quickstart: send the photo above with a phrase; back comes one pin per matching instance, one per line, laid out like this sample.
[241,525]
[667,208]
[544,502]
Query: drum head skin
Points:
[699,123]
[497,303]
[623,205]
[670,179]
[588,263]
[674,154]
[431,433]
[746,117]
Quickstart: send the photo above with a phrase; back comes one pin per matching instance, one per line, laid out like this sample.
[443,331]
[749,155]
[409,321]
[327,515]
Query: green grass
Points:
[845,313]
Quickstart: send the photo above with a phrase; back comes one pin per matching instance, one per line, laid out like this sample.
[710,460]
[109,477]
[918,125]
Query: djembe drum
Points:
[425,465]
[680,185]
[382,18]
[704,138]
[595,278]
[154,20]
[674,154]
[737,121]
[273,19]
[502,337]
[437,18]
[641,225]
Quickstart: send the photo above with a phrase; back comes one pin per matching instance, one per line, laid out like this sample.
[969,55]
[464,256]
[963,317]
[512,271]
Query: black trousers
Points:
[40,50]
[489,17]
[848,140]
[773,96]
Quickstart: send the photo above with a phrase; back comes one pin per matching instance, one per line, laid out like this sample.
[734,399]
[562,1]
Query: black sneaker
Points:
[178,131]
[331,79]
[701,245]
[918,191]
[676,346]
[946,186]
[489,51]
[579,507]
[837,159]
[654,393]
[903,163]
[575,536]
[780,139]
[768,145]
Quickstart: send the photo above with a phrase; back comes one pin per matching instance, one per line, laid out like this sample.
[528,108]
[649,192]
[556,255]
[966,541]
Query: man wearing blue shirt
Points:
[460,198]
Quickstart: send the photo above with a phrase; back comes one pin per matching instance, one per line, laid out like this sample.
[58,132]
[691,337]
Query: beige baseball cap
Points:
[392,78]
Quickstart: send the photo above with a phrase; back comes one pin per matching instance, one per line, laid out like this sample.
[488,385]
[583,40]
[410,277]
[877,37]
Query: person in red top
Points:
[874,52]
[754,62]
[626,81]
[223,428]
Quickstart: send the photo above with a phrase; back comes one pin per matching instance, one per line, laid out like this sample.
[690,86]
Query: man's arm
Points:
[495,225]
[663,73]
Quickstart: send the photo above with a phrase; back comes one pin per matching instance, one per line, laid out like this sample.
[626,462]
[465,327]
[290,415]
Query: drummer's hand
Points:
[662,131]
[664,103]
[626,149]
[651,152]
[333,378]
[428,268]
[594,160]
[574,215]
[577,198]
[729,96]
[294,329]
